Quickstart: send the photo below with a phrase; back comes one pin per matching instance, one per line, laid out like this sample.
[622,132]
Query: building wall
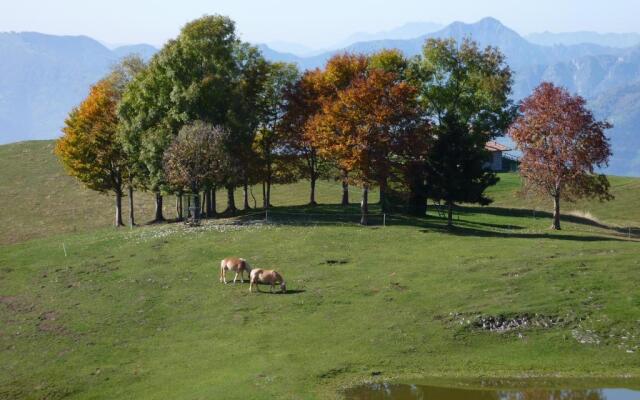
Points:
[496,161]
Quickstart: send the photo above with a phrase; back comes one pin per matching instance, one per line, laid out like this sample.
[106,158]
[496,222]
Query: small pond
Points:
[528,391]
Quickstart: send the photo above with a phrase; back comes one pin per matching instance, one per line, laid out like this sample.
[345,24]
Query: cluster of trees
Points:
[209,112]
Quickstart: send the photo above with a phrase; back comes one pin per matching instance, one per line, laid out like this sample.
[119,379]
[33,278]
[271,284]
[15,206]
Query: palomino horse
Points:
[268,277]
[237,265]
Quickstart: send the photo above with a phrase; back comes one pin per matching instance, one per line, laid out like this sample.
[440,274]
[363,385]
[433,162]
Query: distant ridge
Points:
[43,76]
[620,40]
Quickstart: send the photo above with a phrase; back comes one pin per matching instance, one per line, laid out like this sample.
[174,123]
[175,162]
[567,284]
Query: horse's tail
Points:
[221,268]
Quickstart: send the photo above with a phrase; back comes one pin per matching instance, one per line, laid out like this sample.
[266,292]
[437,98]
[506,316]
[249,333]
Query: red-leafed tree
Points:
[562,144]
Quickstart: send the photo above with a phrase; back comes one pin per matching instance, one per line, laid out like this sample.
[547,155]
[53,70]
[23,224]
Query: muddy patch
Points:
[48,323]
[16,304]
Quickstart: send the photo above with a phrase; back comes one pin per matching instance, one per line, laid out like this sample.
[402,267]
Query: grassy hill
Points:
[41,200]
[105,313]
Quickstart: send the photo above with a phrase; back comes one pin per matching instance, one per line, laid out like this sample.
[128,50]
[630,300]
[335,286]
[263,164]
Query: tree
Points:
[562,144]
[148,124]
[465,93]
[366,126]
[245,113]
[268,141]
[198,76]
[89,148]
[196,158]
[123,74]
[302,103]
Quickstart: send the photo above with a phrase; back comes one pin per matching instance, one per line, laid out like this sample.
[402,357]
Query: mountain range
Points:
[42,76]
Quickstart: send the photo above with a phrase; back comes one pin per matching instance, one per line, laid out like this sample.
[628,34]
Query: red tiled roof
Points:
[495,146]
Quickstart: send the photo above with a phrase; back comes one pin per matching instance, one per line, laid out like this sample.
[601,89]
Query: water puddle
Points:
[389,391]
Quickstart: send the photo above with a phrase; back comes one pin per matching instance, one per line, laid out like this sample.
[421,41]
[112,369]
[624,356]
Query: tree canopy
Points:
[562,144]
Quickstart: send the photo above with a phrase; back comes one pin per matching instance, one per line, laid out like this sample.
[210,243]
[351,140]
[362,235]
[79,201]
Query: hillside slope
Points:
[41,200]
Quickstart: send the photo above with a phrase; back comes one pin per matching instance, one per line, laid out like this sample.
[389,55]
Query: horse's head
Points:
[283,287]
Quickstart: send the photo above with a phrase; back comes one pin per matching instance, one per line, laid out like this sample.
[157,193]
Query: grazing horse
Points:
[238,265]
[266,276]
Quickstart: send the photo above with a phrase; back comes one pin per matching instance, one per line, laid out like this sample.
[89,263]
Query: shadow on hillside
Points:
[534,214]
[337,215]
[470,231]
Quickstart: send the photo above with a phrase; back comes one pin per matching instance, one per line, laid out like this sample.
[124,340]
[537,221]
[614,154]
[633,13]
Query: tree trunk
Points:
[214,213]
[268,193]
[245,194]
[179,207]
[449,214]
[188,207]
[312,196]
[207,195]
[556,213]
[196,205]
[119,209]
[345,190]
[132,220]
[159,216]
[264,195]
[231,200]
[203,202]
[364,206]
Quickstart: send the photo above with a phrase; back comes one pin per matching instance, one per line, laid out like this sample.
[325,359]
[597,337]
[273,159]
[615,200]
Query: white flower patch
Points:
[148,233]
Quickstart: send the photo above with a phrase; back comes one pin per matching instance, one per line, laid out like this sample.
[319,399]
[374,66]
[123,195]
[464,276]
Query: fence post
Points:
[64,248]
[266,216]
[384,219]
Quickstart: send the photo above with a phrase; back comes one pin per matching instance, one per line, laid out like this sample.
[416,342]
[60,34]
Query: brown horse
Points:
[238,265]
[268,277]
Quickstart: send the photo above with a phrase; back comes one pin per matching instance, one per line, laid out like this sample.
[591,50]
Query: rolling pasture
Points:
[92,312]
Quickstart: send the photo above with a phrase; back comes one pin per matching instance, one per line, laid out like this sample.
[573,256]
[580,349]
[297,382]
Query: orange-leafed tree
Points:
[367,127]
[89,148]
[562,144]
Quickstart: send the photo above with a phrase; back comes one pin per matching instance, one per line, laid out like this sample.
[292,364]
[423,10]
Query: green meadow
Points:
[88,311]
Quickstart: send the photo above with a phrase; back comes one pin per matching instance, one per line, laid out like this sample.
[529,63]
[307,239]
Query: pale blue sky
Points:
[312,23]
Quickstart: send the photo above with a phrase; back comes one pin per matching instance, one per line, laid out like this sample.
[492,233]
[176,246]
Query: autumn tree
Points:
[339,73]
[196,158]
[366,126]
[89,148]
[562,144]
[464,92]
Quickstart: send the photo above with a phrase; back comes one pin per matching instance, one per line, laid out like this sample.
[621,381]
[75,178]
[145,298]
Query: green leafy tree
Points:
[268,141]
[464,92]
[123,74]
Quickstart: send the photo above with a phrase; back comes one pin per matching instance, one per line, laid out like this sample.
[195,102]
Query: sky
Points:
[314,24]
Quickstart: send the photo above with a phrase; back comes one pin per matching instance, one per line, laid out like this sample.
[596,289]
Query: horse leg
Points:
[235,278]
[224,276]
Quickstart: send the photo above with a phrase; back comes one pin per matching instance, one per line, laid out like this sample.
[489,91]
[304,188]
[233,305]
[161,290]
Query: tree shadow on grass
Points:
[338,215]
[534,214]
[470,231]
